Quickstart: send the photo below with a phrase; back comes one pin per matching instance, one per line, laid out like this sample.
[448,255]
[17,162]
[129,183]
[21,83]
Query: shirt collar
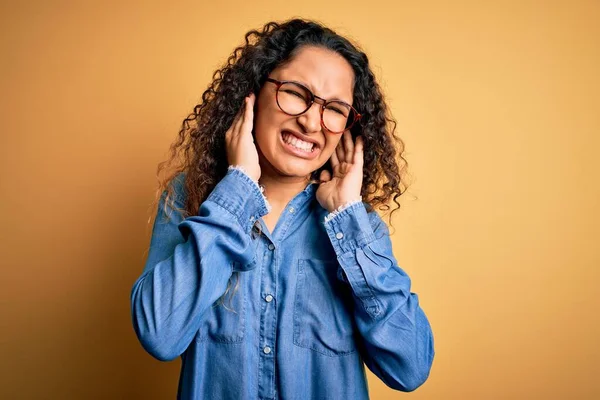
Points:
[310,189]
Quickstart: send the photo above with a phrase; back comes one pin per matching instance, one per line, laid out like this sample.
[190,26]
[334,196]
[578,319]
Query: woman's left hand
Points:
[346,183]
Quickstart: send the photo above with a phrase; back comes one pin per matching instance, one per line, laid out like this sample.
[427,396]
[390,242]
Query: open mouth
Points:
[297,143]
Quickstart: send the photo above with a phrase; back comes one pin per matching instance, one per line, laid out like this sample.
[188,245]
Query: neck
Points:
[280,189]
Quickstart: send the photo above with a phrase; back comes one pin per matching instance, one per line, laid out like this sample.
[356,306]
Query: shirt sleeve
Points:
[397,340]
[191,260]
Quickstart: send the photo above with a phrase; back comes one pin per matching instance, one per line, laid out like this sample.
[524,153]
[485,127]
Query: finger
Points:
[339,151]
[246,127]
[325,176]
[229,132]
[334,160]
[359,152]
[239,119]
[348,146]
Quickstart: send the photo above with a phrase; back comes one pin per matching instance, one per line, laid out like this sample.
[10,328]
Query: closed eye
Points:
[337,110]
[294,93]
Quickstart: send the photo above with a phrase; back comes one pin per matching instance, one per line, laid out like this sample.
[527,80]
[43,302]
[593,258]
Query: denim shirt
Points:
[315,300]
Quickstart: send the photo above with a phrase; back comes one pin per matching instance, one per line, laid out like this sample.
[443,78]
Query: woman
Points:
[274,277]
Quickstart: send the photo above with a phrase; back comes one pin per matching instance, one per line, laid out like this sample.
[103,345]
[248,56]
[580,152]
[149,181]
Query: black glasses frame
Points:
[314,98]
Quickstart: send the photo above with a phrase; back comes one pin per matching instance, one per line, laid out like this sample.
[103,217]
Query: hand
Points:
[239,143]
[347,166]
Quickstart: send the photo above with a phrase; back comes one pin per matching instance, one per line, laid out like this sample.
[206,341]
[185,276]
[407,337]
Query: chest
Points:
[271,219]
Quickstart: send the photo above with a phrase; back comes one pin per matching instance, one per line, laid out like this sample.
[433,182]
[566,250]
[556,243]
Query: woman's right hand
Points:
[239,142]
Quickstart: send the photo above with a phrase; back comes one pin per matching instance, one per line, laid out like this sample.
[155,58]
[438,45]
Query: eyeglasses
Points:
[293,98]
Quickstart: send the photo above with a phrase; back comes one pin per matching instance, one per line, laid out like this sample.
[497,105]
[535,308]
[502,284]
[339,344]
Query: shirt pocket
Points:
[225,320]
[323,319]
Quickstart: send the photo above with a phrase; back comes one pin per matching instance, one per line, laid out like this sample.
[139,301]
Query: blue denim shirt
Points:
[314,302]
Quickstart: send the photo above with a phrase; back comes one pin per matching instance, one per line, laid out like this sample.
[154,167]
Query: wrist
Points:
[243,170]
[246,171]
[341,206]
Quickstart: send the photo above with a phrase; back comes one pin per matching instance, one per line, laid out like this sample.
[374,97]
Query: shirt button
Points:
[291,209]
[251,218]
[267,349]
[339,235]
[269,298]
[271,246]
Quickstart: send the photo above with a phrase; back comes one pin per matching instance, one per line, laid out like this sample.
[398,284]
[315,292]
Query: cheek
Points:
[266,119]
[265,131]
[331,145]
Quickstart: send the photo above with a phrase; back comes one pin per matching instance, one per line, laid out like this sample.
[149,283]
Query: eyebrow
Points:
[312,89]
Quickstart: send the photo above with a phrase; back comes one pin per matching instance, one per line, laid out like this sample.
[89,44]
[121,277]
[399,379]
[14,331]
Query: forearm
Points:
[179,284]
[396,334]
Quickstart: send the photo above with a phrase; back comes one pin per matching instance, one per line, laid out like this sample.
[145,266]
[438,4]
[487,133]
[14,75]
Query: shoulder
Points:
[178,182]
[176,187]
[173,197]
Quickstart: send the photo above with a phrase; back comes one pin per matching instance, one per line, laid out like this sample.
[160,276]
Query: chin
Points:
[292,169]
[288,165]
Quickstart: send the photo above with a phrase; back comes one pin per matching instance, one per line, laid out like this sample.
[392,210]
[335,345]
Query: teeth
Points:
[297,143]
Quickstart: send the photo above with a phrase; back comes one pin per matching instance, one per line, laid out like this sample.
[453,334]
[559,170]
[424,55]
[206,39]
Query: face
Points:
[295,146]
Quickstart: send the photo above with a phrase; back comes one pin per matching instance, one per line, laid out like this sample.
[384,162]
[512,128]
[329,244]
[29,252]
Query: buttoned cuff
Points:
[341,208]
[349,228]
[241,196]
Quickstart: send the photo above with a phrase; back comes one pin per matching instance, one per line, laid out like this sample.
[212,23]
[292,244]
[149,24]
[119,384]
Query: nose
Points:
[311,119]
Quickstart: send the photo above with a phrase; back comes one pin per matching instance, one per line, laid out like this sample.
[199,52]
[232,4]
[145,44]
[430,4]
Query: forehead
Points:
[324,71]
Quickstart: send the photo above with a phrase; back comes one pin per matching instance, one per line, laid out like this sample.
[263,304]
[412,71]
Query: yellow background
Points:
[498,103]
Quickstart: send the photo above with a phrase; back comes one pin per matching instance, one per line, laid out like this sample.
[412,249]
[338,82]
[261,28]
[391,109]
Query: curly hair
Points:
[199,151]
